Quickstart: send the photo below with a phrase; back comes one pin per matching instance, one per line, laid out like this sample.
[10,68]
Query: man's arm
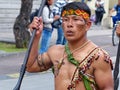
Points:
[103,73]
[37,62]
[40,63]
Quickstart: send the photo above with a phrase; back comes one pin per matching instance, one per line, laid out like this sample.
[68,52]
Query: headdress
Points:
[77,12]
[76,8]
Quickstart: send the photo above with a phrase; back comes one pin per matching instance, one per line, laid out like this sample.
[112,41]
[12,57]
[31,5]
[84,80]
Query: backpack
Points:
[33,14]
[56,23]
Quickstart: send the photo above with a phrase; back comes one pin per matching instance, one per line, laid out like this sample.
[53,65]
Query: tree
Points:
[21,33]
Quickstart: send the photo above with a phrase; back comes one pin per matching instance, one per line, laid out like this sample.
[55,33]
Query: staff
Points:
[116,70]
[23,67]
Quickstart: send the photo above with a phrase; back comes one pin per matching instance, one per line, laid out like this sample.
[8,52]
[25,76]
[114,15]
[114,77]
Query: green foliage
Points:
[7,47]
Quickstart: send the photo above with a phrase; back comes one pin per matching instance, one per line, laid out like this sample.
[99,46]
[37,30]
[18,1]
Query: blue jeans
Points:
[82,0]
[45,41]
[60,36]
[99,17]
[64,41]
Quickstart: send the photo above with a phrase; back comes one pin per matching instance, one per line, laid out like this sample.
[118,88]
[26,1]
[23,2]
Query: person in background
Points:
[48,19]
[57,11]
[78,65]
[116,9]
[99,13]
[69,1]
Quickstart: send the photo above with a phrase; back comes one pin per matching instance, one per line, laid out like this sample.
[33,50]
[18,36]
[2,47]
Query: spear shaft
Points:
[116,69]
[23,67]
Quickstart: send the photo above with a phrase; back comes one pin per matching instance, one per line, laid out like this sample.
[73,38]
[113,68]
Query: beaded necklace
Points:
[70,57]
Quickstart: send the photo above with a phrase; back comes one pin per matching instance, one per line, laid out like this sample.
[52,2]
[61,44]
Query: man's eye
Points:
[64,20]
[76,19]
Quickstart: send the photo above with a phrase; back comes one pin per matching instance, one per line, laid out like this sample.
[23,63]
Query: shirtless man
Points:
[78,65]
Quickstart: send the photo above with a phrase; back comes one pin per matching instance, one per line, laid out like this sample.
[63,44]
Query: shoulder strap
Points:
[48,9]
[85,79]
[89,54]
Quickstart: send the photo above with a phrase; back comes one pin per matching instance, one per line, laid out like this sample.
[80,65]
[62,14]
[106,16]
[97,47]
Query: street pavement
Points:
[40,81]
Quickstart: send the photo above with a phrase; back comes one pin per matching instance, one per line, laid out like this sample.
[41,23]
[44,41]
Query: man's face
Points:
[74,27]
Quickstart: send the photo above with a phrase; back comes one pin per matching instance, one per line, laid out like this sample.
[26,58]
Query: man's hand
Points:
[37,24]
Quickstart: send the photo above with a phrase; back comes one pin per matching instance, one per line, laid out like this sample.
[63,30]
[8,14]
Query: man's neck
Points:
[75,45]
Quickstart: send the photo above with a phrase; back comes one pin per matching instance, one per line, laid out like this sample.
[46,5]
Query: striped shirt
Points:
[58,6]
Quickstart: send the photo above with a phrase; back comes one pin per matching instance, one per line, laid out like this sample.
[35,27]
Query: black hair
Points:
[35,13]
[77,5]
[47,4]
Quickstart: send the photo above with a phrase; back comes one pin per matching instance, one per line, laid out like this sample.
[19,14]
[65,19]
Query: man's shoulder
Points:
[102,57]
[99,54]
[55,51]
[102,53]
[56,48]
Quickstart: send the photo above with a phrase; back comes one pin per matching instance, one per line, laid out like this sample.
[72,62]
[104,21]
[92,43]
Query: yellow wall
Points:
[107,21]
[112,3]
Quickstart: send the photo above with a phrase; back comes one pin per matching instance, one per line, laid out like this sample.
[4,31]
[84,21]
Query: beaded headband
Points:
[77,12]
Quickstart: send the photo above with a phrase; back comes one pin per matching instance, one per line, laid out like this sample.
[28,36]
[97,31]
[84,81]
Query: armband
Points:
[40,61]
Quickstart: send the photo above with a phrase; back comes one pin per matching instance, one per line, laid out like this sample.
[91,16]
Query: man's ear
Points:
[88,25]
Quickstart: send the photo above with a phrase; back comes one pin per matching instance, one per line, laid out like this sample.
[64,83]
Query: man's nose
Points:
[70,23]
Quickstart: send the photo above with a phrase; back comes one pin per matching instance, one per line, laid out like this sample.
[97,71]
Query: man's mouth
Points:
[69,33]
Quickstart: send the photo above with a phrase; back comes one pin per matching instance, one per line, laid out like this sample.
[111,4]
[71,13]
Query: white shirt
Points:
[47,18]
[101,2]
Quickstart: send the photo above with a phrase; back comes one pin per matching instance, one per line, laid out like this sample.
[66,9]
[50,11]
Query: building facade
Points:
[107,21]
